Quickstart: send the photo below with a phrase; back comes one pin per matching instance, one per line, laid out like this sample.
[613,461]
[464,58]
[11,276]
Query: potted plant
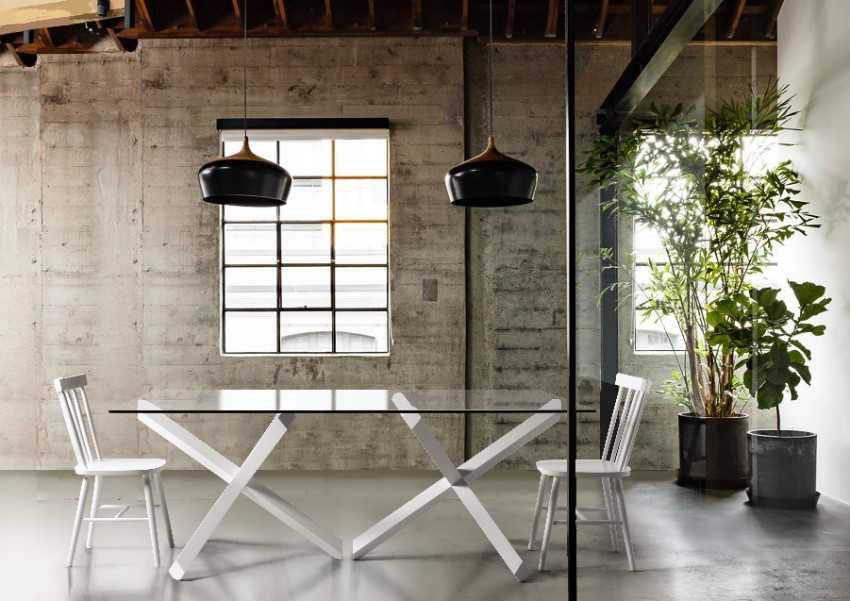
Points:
[766,333]
[720,212]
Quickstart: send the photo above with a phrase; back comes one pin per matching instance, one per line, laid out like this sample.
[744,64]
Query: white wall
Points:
[814,60]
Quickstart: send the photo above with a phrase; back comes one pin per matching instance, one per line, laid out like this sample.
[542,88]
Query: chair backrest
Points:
[625,419]
[77,414]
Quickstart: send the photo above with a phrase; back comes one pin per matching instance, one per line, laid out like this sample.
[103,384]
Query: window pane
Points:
[361,287]
[648,245]
[250,287]
[305,332]
[309,200]
[361,157]
[253,332]
[232,213]
[305,287]
[306,157]
[653,334]
[361,243]
[361,332]
[305,243]
[250,244]
[361,199]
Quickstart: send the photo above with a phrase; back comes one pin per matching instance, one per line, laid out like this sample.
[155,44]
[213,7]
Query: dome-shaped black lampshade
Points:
[491,179]
[244,179]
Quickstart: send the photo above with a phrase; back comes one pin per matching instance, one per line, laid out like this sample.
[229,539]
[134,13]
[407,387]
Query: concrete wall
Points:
[109,261]
[814,60]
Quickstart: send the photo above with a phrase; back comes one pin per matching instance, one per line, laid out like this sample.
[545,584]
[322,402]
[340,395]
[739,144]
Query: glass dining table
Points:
[156,408]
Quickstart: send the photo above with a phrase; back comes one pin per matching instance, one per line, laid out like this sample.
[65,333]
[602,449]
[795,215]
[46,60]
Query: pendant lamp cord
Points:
[490,73]
[245,68]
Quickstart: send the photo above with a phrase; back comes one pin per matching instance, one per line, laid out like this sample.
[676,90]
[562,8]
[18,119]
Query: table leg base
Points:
[457,479]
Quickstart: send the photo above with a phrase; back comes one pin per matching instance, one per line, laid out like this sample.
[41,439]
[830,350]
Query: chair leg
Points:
[532,538]
[95,500]
[627,537]
[78,519]
[610,514]
[161,492]
[550,517]
[151,518]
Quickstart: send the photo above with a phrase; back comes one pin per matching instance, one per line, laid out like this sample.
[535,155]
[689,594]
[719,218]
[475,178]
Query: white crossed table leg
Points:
[457,480]
[240,481]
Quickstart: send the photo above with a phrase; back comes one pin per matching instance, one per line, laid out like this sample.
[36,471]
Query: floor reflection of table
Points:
[154,408]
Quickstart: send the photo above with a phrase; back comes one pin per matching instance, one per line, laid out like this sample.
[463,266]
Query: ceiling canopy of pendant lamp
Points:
[491,179]
[244,179]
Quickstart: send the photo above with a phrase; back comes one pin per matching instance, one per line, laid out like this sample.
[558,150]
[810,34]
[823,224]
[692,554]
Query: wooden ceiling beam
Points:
[280,12]
[770,28]
[329,15]
[552,19]
[416,15]
[44,37]
[370,23]
[735,19]
[237,10]
[509,27]
[123,44]
[464,16]
[193,15]
[144,16]
[599,30]
[21,59]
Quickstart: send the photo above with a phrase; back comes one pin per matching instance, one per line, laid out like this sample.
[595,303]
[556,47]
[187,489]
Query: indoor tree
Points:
[721,210]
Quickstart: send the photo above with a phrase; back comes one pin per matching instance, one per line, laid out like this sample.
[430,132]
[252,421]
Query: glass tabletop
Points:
[344,401]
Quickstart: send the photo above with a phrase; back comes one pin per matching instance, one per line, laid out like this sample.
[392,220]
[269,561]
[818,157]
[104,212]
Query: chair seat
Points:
[584,468]
[121,467]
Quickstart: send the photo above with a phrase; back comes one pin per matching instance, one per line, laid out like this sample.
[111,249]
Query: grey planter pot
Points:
[783,469]
[713,452]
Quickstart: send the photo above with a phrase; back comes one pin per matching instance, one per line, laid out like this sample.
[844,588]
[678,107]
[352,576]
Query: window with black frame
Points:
[312,276]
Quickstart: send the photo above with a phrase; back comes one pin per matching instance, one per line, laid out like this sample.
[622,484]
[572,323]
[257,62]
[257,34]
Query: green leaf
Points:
[806,292]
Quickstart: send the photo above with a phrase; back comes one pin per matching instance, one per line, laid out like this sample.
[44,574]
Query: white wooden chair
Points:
[91,466]
[610,469]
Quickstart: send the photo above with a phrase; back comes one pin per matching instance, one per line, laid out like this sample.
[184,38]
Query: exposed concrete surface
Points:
[110,261]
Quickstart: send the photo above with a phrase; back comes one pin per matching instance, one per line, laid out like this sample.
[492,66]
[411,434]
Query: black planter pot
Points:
[783,469]
[713,451]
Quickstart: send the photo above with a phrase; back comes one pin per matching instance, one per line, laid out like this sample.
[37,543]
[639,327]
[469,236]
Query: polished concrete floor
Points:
[689,546]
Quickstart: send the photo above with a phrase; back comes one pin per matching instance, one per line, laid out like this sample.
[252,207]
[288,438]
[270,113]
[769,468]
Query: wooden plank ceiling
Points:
[597,21]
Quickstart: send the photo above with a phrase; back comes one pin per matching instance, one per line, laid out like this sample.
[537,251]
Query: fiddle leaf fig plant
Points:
[720,209]
[765,333]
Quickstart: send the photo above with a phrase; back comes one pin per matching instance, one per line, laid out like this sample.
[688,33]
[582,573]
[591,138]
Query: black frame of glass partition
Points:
[306,125]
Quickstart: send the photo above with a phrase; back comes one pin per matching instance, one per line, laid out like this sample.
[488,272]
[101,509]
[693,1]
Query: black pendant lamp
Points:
[491,179]
[244,179]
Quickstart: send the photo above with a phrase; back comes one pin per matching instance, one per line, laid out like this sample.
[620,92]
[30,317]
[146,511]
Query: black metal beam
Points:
[572,288]
[678,24]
